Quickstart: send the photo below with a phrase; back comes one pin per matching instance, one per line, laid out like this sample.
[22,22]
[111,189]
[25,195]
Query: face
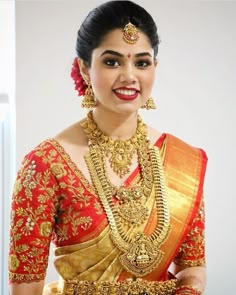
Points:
[122,74]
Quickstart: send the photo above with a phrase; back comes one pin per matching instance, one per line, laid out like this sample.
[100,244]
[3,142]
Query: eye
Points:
[143,63]
[111,63]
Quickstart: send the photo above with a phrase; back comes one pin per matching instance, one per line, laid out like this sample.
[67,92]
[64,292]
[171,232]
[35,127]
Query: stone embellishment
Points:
[130,35]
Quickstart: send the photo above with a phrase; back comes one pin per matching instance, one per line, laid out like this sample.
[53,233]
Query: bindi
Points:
[129,55]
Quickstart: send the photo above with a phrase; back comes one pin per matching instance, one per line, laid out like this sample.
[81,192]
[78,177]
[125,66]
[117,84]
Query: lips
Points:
[126,93]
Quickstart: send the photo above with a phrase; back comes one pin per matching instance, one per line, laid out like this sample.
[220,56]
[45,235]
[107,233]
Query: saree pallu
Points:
[95,263]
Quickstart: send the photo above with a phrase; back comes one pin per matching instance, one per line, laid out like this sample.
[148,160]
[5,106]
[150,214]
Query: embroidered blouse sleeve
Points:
[192,250]
[32,218]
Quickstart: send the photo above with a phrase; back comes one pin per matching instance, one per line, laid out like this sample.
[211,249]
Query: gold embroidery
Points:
[25,277]
[98,207]
[192,251]
[66,157]
[44,182]
[17,187]
[58,170]
[129,286]
[45,229]
[13,262]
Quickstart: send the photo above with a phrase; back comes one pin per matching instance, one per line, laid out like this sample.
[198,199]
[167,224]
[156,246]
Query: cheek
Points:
[97,80]
[149,80]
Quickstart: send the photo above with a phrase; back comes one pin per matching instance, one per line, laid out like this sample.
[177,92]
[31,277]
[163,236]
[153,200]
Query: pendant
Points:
[121,157]
[142,257]
[133,212]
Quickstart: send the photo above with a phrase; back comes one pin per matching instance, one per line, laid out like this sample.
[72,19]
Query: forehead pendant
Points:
[130,35]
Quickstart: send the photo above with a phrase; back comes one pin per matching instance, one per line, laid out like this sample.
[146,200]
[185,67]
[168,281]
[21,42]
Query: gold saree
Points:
[97,260]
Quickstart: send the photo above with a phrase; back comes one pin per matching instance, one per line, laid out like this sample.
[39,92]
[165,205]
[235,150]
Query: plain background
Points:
[194,91]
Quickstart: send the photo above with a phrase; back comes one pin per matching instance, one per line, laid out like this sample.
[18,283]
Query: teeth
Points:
[125,91]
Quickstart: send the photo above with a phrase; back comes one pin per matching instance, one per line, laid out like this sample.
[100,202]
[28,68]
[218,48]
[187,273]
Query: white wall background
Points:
[7,117]
[195,93]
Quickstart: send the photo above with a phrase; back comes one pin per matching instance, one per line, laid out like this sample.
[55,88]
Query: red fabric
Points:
[52,200]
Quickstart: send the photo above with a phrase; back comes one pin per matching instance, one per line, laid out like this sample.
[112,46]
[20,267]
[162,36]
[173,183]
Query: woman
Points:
[121,201]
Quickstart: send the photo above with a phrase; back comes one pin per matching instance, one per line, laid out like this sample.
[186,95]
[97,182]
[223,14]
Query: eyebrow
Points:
[112,52]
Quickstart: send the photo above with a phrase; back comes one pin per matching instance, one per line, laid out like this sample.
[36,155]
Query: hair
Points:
[109,16]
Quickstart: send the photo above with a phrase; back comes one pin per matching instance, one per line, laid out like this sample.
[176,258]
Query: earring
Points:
[88,101]
[149,104]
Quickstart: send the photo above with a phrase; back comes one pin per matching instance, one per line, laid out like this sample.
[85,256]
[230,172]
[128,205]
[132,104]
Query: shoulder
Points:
[72,135]
[180,146]
[38,157]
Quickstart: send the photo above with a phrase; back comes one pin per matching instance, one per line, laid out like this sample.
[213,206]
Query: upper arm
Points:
[32,221]
[192,250]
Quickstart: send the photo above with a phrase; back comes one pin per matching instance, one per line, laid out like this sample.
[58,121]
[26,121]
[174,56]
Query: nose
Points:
[127,75]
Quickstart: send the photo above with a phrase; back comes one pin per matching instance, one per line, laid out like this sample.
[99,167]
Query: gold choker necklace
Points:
[119,152]
[141,254]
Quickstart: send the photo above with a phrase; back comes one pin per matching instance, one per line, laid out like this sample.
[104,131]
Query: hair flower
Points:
[79,82]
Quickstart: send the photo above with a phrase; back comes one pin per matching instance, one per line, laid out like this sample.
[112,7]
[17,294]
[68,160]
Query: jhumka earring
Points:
[149,104]
[88,101]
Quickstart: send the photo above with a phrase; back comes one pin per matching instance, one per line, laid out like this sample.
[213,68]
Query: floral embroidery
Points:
[192,251]
[13,262]
[58,170]
[28,183]
[45,229]
[52,200]
[49,203]
[98,207]
[29,224]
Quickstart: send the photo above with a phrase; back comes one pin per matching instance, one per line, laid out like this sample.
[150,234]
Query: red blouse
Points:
[53,201]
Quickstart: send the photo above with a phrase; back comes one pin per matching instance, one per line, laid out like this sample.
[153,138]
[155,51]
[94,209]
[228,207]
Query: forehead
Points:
[114,41]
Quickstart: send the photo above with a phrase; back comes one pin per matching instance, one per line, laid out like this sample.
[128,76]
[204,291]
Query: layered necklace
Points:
[140,253]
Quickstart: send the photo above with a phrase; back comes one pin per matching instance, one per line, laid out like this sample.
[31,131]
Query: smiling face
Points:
[122,74]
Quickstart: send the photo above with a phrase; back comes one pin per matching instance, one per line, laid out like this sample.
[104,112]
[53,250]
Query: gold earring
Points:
[149,104]
[88,101]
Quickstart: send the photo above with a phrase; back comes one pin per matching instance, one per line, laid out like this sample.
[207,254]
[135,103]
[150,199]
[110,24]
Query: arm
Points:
[33,209]
[34,288]
[189,266]
[194,276]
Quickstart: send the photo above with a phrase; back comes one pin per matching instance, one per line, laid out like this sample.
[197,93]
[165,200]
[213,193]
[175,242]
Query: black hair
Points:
[109,16]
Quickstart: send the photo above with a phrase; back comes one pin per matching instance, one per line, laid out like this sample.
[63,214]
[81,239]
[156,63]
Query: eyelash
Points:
[113,63]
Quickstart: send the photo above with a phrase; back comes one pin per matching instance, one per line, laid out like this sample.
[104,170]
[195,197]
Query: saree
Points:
[50,187]
[97,260]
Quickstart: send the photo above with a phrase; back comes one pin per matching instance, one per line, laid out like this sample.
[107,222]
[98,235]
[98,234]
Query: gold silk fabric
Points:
[97,259]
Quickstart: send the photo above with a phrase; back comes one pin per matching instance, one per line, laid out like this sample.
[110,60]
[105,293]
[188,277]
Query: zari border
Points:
[185,169]
[192,161]
[25,278]
[139,286]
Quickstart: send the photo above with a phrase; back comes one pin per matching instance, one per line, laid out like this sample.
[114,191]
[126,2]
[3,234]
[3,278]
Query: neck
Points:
[115,125]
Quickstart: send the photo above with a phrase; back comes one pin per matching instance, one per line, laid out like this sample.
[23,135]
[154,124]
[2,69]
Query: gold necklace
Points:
[131,206]
[141,253]
[120,152]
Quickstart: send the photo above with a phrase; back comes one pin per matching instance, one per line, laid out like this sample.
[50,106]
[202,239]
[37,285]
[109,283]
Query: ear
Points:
[84,70]
[156,62]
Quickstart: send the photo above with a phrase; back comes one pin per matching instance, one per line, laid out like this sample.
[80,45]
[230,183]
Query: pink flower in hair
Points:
[79,82]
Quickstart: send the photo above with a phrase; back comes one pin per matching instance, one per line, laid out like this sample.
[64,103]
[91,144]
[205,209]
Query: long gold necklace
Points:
[141,253]
[131,206]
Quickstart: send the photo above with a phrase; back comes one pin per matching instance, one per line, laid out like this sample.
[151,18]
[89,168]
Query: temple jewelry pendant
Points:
[133,213]
[142,257]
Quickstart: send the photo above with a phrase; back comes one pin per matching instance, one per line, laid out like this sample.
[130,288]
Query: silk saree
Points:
[52,200]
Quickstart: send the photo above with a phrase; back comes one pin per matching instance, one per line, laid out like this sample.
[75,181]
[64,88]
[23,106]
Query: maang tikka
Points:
[130,35]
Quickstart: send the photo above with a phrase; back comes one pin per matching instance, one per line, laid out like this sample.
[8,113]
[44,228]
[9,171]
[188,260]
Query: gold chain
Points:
[141,253]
